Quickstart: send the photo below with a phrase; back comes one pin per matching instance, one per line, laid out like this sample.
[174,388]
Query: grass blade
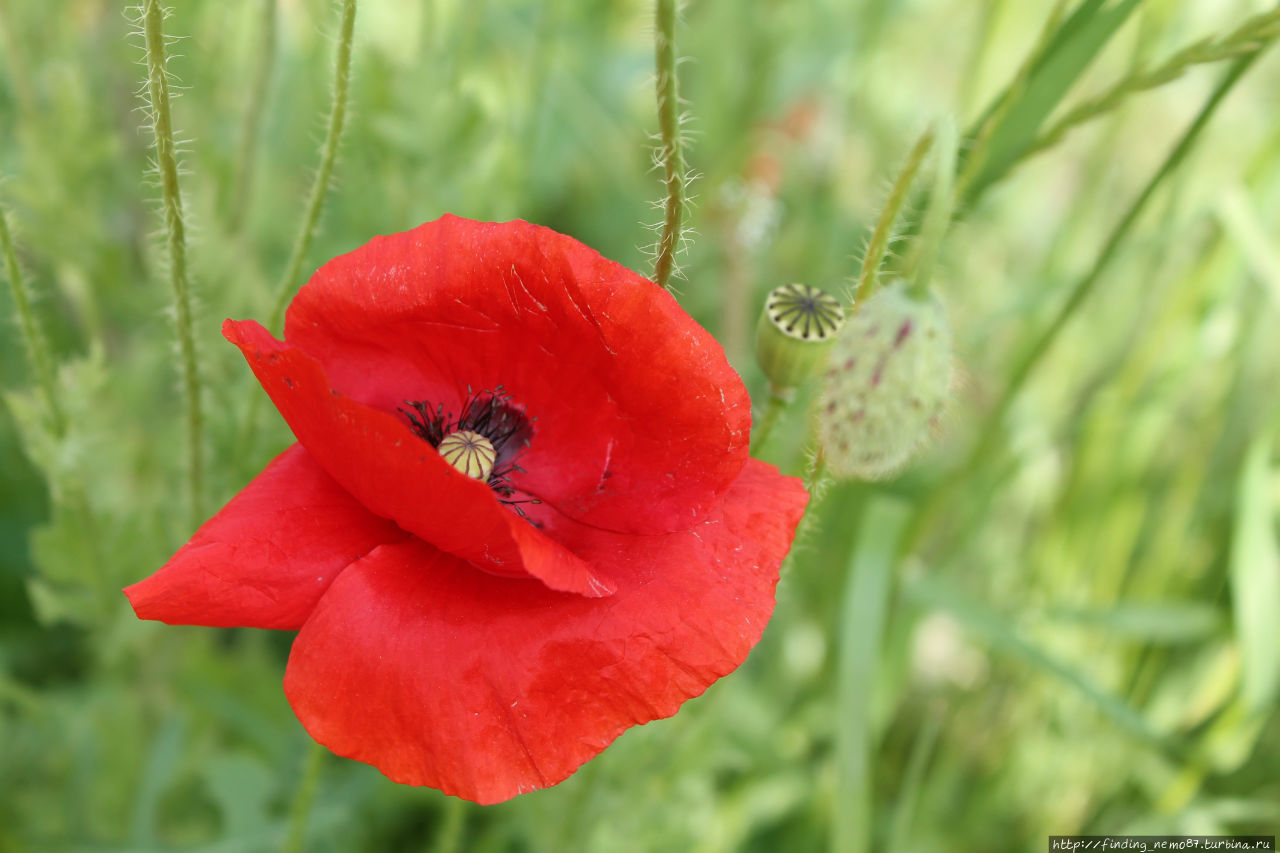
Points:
[862,620]
[995,627]
[1009,129]
[1255,579]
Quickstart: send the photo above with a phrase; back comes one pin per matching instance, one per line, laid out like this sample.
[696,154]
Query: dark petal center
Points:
[490,414]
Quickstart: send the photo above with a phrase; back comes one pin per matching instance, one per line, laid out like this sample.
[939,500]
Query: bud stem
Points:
[328,157]
[315,202]
[817,482]
[816,477]
[883,233]
[773,408]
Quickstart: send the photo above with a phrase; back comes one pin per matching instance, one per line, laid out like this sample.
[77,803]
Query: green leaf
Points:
[157,775]
[1242,222]
[242,787]
[66,589]
[1149,622]
[69,587]
[1075,44]
[996,627]
[1255,579]
[862,620]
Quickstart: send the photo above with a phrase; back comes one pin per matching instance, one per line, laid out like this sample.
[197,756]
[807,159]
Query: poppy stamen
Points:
[484,441]
[469,452]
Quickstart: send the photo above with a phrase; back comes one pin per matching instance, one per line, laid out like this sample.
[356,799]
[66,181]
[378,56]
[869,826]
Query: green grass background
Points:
[1081,636]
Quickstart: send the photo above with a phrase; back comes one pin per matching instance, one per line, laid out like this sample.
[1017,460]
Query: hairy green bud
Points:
[889,379]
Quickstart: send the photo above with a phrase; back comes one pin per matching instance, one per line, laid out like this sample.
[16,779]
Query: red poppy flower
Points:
[519,518]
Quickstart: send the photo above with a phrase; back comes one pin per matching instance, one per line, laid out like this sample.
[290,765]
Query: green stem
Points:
[817,482]
[883,233]
[449,839]
[300,810]
[773,408]
[991,434]
[315,202]
[670,152]
[176,243]
[328,157]
[246,160]
[816,478]
[37,348]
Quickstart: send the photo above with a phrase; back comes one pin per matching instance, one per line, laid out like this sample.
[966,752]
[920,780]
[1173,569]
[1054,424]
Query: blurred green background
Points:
[1081,637]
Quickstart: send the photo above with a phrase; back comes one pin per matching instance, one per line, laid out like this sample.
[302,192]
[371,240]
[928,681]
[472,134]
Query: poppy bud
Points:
[795,332]
[889,379]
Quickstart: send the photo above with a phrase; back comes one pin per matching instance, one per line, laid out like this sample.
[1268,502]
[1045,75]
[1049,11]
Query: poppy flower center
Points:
[469,452]
[484,440]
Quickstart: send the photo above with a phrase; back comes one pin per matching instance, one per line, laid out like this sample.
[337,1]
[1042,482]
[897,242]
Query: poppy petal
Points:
[486,687]
[397,475]
[266,558]
[641,424]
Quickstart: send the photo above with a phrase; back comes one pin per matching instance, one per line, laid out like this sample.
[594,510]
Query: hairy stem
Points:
[315,202]
[816,477]
[883,233]
[246,159]
[817,482]
[328,157]
[670,152]
[166,162]
[32,337]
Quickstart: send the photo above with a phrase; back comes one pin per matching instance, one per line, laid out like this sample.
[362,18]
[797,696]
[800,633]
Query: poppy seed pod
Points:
[797,327]
[889,378]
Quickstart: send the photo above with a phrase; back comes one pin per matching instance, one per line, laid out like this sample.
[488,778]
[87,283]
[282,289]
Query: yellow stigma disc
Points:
[469,452]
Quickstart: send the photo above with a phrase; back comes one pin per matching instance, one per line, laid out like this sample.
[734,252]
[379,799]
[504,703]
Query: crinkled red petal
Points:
[395,474]
[486,687]
[641,424]
[266,558]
